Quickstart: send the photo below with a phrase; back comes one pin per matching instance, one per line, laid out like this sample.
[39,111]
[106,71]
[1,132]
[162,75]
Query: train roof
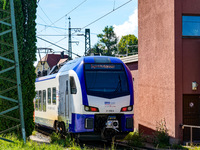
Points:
[88,59]
[70,65]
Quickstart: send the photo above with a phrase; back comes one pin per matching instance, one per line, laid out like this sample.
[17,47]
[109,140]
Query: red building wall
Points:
[168,63]
[156,72]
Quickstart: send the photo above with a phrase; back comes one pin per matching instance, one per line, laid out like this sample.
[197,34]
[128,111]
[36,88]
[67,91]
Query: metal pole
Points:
[190,135]
[17,70]
[70,40]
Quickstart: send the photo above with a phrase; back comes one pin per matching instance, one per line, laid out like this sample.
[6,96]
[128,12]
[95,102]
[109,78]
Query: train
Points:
[90,97]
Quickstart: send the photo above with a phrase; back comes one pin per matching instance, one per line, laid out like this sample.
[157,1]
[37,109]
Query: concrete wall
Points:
[156,73]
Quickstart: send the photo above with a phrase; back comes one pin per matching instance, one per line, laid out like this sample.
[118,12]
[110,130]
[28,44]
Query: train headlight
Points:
[87,108]
[127,108]
[90,108]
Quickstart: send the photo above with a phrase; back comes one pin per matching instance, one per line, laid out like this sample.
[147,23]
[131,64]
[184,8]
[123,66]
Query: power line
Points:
[52,35]
[58,41]
[106,14]
[66,14]
[57,46]
[45,14]
[42,19]
[51,26]
[71,11]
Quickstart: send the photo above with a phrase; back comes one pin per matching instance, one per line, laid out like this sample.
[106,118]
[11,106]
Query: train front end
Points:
[107,98]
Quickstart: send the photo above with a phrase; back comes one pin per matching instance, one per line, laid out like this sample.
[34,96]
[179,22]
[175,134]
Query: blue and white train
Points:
[88,97]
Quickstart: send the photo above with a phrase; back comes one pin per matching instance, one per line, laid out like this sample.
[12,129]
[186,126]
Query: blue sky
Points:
[55,13]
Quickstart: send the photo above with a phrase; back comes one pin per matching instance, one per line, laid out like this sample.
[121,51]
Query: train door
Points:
[67,100]
[64,96]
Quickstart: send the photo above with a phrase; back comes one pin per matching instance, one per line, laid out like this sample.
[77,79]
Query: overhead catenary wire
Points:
[106,14]
[51,26]
[66,14]
[58,41]
[71,11]
[57,46]
[45,14]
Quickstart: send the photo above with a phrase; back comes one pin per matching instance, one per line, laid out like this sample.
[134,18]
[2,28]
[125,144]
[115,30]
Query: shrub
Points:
[60,140]
[161,137]
[135,139]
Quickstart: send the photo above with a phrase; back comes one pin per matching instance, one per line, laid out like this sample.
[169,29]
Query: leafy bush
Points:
[161,137]
[25,15]
[60,140]
[135,139]
[31,145]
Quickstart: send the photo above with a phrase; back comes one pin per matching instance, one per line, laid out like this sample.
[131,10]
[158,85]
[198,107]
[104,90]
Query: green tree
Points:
[108,41]
[96,50]
[128,42]
[25,15]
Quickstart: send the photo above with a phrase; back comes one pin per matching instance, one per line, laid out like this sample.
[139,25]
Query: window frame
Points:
[44,99]
[37,101]
[40,100]
[73,88]
[53,101]
[49,96]
[190,36]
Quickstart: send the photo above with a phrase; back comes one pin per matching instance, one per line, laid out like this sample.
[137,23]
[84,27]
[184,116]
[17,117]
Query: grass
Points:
[135,139]
[58,144]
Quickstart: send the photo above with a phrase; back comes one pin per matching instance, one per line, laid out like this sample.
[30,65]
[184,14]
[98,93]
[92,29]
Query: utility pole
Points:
[87,40]
[70,38]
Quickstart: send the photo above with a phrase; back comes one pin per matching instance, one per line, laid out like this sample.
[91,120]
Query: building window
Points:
[49,96]
[54,96]
[44,100]
[191,26]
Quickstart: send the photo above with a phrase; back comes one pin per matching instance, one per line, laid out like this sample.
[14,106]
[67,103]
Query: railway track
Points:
[97,145]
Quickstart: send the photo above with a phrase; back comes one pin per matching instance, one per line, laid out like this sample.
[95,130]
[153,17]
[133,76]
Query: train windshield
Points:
[106,80]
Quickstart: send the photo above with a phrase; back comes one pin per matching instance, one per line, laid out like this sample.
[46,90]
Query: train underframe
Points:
[106,126]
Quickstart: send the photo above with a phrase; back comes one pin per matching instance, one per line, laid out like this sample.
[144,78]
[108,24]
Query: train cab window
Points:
[54,95]
[40,100]
[49,95]
[44,100]
[72,86]
[36,101]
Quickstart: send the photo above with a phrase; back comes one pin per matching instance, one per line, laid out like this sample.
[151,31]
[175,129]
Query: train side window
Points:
[67,87]
[40,100]
[54,95]
[72,86]
[44,100]
[49,96]
[36,101]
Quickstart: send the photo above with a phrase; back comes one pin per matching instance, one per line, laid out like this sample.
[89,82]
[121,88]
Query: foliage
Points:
[58,139]
[25,15]
[176,146]
[108,41]
[95,50]
[128,42]
[135,139]
[161,137]
[30,145]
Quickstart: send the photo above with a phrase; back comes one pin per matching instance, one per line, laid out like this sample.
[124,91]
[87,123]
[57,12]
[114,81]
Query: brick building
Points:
[169,66]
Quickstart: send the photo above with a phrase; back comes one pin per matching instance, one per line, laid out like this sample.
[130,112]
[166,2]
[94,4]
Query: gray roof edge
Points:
[130,59]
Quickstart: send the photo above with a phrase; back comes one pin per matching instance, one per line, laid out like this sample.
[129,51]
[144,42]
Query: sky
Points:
[52,21]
